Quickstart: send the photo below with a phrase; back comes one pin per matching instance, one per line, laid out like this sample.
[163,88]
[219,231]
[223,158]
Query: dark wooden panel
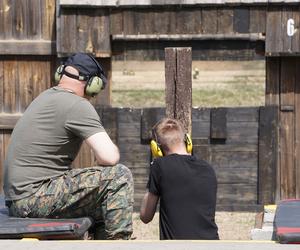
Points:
[241,20]
[218,125]
[129,22]
[268,154]
[10,85]
[272,80]
[150,117]
[225,20]
[1,86]
[258,19]
[236,194]
[297,127]
[287,155]
[26,47]
[209,21]
[116,21]
[236,175]
[144,20]
[274,36]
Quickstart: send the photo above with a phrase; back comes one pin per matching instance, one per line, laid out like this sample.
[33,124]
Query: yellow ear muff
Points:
[188,143]
[93,86]
[58,74]
[155,149]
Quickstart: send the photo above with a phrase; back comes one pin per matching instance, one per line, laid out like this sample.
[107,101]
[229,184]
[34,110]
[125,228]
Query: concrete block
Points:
[261,234]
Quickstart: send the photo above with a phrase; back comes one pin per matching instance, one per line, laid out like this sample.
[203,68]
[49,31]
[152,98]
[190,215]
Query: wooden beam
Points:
[178,73]
[27,47]
[182,37]
[8,121]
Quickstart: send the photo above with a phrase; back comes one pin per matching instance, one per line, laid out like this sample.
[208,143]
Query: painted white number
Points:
[290,27]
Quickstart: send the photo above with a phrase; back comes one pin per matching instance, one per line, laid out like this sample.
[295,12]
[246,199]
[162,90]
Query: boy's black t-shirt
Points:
[187,188]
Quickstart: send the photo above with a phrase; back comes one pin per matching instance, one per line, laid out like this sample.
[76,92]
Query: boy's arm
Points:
[148,207]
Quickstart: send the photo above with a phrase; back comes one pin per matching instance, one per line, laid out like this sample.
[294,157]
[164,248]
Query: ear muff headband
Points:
[157,151]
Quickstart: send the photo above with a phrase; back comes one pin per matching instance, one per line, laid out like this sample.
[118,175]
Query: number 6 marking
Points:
[290,27]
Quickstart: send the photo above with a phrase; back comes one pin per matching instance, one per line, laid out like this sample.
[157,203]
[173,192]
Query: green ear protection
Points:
[94,84]
[157,151]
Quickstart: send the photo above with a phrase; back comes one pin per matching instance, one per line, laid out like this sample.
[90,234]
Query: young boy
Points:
[185,185]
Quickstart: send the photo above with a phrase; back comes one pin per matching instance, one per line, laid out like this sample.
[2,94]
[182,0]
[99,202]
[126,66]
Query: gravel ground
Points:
[232,226]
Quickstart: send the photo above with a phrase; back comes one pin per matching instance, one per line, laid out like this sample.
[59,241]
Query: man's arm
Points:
[148,207]
[106,152]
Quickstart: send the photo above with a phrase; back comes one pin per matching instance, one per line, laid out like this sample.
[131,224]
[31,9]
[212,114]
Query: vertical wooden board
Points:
[100,33]
[287,13]
[20,19]
[272,80]
[83,31]
[274,36]
[2,24]
[287,139]
[296,37]
[172,16]
[150,116]
[241,20]
[297,127]
[34,19]
[24,69]
[209,20]
[2,157]
[225,20]
[68,29]
[170,76]
[116,21]
[144,21]
[185,21]
[104,97]
[9,88]
[129,22]
[48,31]
[268,154]
[218,125]
[183,95]
[257,20]
[197,13]
[8,10]
[1,86]
[162,24]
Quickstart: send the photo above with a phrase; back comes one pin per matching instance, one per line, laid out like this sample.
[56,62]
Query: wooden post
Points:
[178,74]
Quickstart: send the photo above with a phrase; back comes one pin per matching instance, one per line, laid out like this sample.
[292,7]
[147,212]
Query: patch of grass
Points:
[232,95]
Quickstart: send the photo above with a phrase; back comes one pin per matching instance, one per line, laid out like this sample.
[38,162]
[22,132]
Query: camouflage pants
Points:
[102,193]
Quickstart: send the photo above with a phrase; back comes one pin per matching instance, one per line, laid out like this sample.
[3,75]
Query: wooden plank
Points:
[163,21]
[8,8]
[185,21]
[183,83]
[34,19]
[109,120]
[20,19]
[84,42]
[218,125]
[68,29]
[10,84]
[8,121]
[274,36]
[236,175]
[170,76]
[268,154]
[287,155]
[48,19]
[225,20]
[129,22]
[25,68]
[116,21]
[209,20]
[150,116]
[272,80]
[1,86]
[236,194]
[241,20]
[104,97]
[297,128]
[144,20]
[26,47]
[257,21]
[100,33]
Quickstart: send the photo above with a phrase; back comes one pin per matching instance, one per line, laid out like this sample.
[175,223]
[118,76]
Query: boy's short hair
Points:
[168,132]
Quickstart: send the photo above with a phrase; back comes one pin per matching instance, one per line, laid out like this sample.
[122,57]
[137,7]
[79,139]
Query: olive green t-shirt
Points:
[46,140]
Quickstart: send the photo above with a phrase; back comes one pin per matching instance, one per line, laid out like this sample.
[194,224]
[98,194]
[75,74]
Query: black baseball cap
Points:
[86,65]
